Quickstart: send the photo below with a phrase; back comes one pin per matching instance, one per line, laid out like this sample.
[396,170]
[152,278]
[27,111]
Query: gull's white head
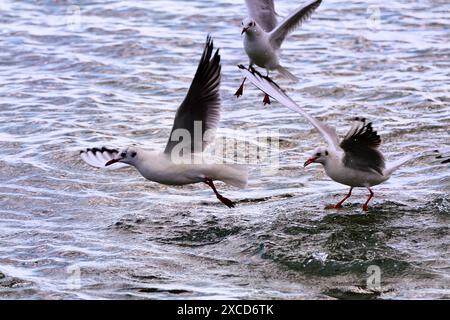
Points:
[248,25]
[320,155]
[128,155]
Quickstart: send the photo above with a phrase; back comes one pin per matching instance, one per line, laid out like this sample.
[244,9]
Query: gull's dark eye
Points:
[123,154]
[318,154]
[326,152]
[133,154]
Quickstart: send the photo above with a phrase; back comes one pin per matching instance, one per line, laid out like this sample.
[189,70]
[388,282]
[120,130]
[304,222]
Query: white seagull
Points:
[202,103]
[263,37]
[355,161]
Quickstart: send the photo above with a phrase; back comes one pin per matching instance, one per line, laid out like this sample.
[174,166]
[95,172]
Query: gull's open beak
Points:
[112,161]
[244,30]
[309,161]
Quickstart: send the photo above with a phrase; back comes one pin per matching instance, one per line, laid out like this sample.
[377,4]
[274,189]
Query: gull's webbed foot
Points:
[240,91]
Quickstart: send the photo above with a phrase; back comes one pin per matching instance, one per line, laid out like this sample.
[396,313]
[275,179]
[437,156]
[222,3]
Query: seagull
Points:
[354,161]
[200,111]
[263,37]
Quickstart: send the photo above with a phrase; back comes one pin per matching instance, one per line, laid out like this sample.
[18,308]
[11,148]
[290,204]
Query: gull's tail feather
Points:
[98,157]
[394,165]
[286,74]
[232,174]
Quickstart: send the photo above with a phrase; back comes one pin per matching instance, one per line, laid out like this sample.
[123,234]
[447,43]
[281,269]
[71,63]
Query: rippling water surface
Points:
[93,73]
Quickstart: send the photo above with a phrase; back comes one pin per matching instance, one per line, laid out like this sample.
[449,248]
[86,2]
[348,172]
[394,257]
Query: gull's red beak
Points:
[309,161]
[112,161]
[244,30]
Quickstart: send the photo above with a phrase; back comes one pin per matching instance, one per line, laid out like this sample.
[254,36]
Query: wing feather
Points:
[269,87]
[360,146]
[263,12]
[202,102]
[98,157]
[292,22]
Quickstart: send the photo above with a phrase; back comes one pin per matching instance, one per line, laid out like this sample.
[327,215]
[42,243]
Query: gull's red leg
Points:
[339,204]
[240,91]
[226,201]
[266,99]
[365,206]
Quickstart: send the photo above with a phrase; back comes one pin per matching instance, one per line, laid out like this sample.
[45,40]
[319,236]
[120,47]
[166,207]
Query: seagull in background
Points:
[354,161]
[263,37]
[201,104]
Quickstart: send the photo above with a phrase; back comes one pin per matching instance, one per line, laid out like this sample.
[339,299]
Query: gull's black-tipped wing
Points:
[263,12]
[291,22]
[98,157]
[268,86]
[361,148]
[202,102]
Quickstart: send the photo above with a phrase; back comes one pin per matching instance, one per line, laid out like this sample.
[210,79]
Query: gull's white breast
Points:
[159,168]
[260,51]
[337,171]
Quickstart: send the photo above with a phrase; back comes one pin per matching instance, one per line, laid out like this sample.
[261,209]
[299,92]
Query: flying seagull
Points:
[200,106]
[263,37]
[354,161]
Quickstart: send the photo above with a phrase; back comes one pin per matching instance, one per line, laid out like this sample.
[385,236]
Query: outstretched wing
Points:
[202,102]
[360,146]
[268,86]
[291,22]
[98,157]
[263,12]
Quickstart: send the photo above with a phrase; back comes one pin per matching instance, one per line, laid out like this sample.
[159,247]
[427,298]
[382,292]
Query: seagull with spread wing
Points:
[201,104]
[263,36]
[354,161]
